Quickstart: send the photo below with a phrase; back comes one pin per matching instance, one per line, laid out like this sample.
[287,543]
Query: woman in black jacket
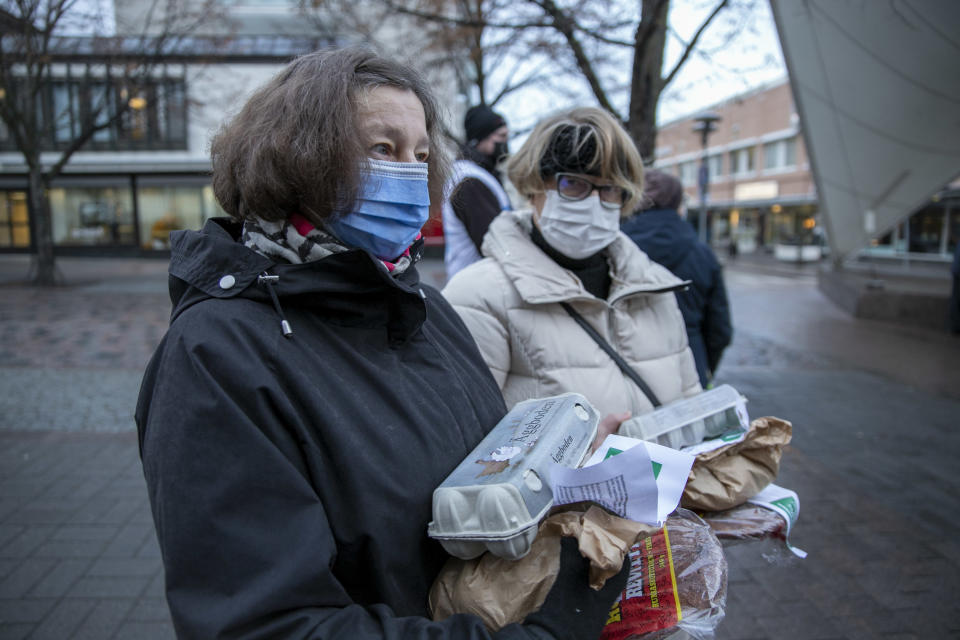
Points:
[311,393]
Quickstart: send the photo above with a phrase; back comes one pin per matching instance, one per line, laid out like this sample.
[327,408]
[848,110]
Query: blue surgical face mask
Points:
[394,203]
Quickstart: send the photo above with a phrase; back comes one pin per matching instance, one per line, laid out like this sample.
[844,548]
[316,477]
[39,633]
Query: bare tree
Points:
[106,86]
[594,40]
[463,37]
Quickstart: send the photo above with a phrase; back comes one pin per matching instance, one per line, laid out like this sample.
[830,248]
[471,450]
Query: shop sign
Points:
[763,190]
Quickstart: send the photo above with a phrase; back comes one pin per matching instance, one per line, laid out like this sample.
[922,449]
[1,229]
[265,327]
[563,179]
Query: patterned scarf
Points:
[296,241]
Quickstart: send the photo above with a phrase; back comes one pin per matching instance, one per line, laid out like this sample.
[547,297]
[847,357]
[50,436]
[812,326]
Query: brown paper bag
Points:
[728,476]
[503,591]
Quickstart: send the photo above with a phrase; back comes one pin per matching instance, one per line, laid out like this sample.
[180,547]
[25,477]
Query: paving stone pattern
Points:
[873,460]
[875,467]
[78,553]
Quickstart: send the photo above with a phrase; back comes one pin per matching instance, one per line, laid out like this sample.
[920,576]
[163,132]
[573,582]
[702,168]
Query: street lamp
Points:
[705,124]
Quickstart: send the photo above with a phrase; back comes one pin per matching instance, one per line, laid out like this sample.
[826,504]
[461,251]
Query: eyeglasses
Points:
[574,188]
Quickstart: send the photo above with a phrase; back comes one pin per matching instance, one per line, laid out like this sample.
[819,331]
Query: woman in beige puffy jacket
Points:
[581,173]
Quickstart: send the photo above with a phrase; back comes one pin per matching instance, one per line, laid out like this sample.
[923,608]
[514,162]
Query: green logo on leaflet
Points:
[656,465]
[788,504]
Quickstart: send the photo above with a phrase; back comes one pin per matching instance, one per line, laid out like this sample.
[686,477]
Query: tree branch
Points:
[601,38]
[507,89]
[461,22]
[693,41]
[564,24]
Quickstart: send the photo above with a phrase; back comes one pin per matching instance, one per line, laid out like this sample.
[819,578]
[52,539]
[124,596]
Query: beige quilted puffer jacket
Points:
[510,302]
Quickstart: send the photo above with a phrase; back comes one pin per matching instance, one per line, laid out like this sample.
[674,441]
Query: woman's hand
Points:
[608,424]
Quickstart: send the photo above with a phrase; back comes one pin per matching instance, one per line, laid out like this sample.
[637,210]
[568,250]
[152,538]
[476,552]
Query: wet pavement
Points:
[875,408]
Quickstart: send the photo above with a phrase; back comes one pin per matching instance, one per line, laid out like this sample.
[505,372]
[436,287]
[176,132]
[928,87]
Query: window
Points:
[741,161]
[780,154]
[165,208]
[688,173]
[790,152]
[154,117]
[91,216]
[64,106]
[14,222]
[715,166]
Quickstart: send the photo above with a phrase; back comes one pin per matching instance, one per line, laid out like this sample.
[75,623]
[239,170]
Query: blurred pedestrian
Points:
[474,193]
[564,261]
[732,250]
[310,393]
[668,239]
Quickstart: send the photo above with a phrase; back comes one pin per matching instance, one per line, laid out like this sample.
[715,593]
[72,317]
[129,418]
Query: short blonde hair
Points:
[584,140]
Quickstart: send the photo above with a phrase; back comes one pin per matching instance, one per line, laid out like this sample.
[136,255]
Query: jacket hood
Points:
[663,235]
[539,279]
[351,288]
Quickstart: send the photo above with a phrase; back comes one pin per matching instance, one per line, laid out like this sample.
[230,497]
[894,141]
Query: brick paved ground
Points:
[873,459]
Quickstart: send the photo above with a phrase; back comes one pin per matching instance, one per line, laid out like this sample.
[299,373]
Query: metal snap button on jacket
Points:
[227,282]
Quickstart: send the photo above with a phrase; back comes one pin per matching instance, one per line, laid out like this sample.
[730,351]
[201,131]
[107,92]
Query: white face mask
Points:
[578,229]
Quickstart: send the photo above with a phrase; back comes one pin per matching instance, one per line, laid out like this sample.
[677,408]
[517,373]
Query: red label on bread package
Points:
[650,601]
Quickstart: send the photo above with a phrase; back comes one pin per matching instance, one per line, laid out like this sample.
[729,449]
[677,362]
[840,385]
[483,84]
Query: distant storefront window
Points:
[92,216]
[211,207]
[166,208]
[932,231]
[14,220]
[926,230]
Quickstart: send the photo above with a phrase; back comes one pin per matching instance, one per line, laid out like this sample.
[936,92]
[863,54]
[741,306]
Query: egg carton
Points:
[691,420]
[495,499]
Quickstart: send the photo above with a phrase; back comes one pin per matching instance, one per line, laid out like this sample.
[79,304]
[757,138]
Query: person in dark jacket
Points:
[311,392]
[662,234]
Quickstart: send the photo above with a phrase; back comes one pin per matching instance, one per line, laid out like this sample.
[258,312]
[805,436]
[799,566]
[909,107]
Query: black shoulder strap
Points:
[626,368]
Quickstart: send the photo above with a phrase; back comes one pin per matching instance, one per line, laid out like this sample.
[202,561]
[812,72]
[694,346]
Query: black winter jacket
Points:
[668,239]
[291,478]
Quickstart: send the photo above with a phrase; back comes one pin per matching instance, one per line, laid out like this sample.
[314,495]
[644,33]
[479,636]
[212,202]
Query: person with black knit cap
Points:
[474,194]
[662,234]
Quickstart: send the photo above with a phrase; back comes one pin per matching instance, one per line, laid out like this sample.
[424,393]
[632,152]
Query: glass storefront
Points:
[763,228]
[130,213]
[14,220]
[933,232]
[92,215]
[164,208]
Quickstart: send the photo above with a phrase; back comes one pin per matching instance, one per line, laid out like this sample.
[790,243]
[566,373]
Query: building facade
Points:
[761,194]
[148,173]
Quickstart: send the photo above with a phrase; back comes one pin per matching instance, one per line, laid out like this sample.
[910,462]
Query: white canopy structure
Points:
[877,89]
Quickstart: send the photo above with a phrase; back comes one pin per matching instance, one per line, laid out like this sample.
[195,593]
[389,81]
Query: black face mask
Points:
[500,151]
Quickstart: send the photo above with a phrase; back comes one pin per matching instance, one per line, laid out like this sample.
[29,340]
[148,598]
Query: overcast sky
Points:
[751,59]
[754,58]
